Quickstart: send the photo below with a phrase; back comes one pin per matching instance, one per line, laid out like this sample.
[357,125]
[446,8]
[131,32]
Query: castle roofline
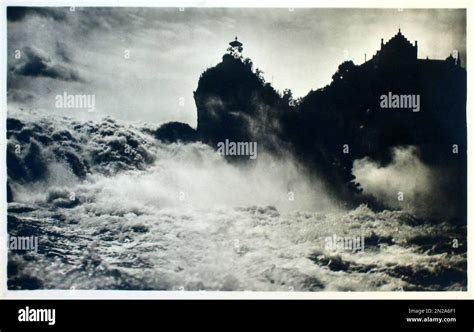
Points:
[399,37]
[235,43]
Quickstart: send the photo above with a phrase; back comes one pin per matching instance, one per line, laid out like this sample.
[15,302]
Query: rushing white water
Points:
[187,219]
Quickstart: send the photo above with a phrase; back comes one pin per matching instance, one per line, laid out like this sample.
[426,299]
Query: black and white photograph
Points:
[234,149]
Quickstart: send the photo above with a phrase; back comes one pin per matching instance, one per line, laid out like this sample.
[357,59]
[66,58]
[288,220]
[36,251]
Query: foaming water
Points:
[146,215]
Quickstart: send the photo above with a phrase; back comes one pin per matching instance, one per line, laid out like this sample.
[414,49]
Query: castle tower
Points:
[235,48]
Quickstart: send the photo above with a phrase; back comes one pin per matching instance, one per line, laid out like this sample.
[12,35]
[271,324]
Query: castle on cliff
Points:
[399,51]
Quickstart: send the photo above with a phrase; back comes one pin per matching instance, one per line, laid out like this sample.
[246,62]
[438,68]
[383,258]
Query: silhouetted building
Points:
[235,48]
[399,51]
[235,43]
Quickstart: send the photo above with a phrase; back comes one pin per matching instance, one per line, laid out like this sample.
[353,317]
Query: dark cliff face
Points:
[234,103]
[349,111]
[173,132]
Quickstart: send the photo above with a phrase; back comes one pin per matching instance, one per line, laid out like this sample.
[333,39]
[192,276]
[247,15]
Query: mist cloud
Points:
[406,174]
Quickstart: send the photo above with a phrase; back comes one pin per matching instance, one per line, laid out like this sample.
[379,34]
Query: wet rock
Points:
[334,263]
[173,132]
[139,228]
[375,240]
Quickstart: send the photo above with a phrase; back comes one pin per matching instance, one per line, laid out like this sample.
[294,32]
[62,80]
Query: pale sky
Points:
[83,52]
